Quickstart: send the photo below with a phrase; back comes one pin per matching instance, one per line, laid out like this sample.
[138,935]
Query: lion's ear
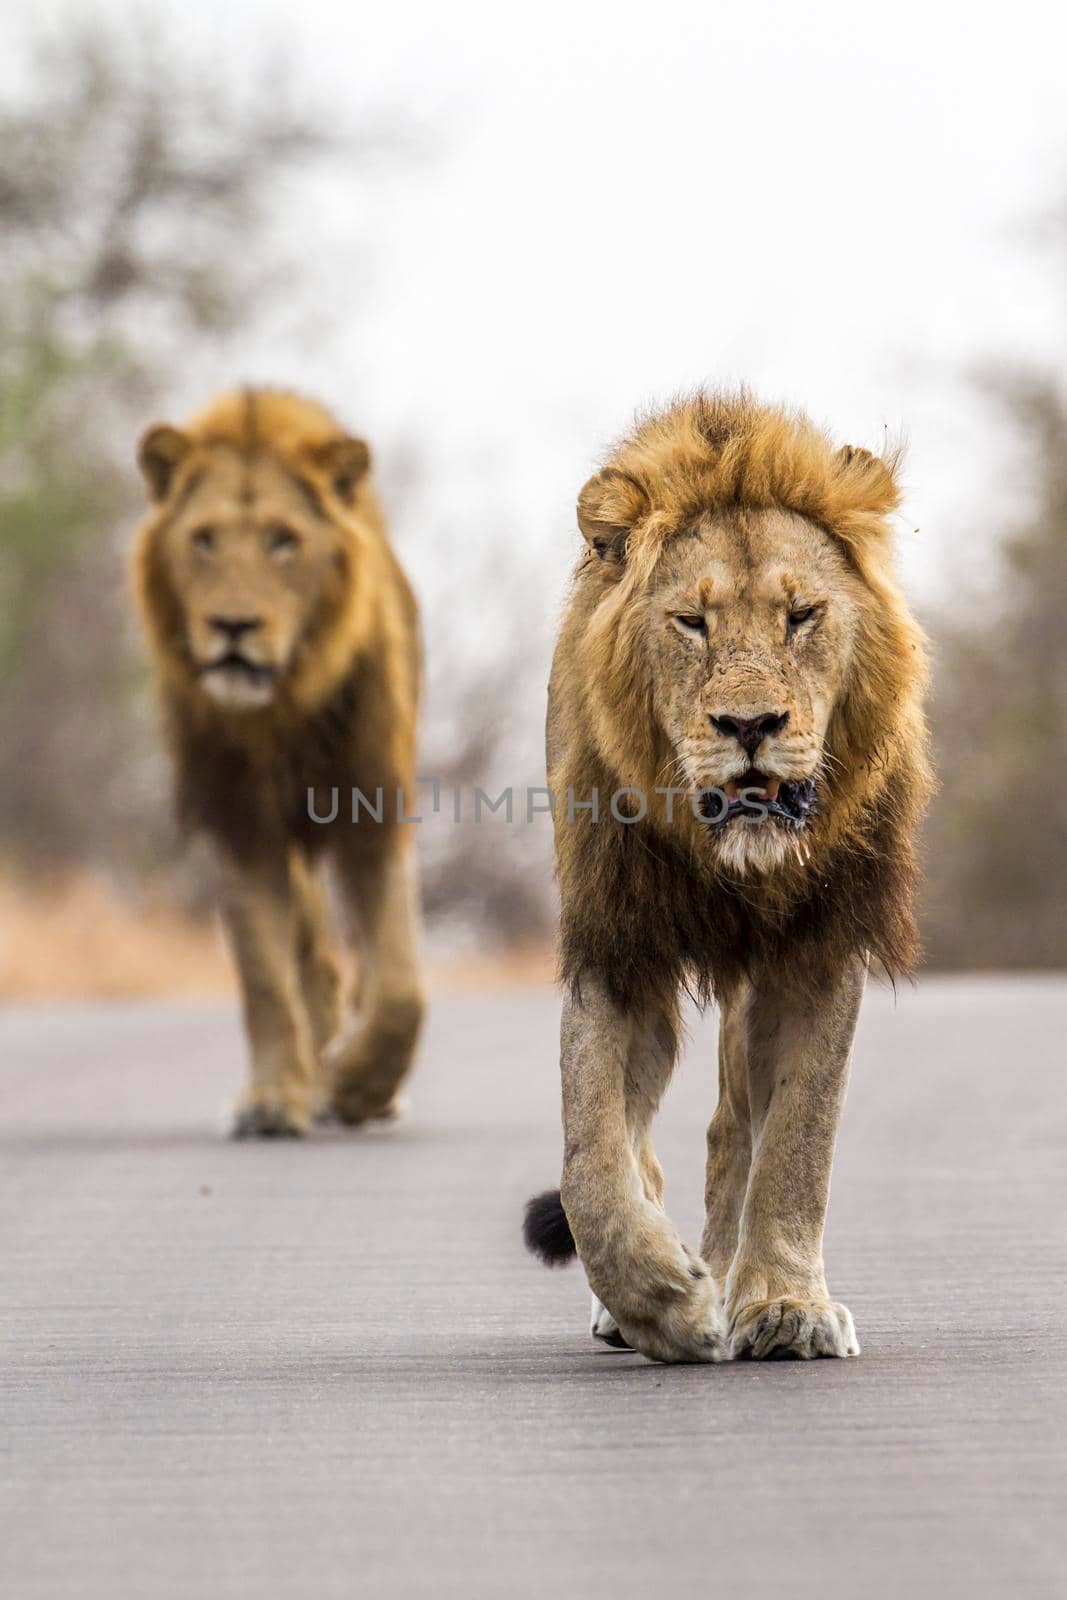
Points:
[608,506]
[345,462]
[161,452]
[870,479]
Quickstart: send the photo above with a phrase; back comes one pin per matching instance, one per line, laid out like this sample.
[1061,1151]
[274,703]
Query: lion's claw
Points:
[793,1329]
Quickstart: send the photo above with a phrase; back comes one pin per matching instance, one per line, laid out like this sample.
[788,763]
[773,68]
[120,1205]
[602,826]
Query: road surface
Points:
[327,1369]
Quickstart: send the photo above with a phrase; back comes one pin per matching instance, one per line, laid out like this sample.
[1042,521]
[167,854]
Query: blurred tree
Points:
[997,836]
[143,231]
[487,615]
[135,190]
[484,730]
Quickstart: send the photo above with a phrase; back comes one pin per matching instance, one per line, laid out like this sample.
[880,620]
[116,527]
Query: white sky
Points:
[835,202]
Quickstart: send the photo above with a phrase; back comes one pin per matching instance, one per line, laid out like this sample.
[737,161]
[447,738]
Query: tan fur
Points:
[711,530]
[263,513]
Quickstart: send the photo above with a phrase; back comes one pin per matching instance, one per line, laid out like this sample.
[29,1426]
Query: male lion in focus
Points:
[737,657]
[285,638]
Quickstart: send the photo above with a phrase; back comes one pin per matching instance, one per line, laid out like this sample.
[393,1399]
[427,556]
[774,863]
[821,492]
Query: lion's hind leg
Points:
[729,1141]
[370,1064]
[320,973]
[318,968]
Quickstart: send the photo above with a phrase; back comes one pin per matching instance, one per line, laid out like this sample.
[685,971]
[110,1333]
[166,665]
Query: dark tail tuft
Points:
[546,1230]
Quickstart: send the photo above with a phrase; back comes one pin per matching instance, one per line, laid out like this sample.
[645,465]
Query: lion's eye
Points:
[797,618]
[281,539]
[694,625]
[204,539]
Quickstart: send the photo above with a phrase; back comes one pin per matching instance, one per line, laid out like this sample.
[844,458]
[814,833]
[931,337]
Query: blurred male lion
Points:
[285,639]
[738,674]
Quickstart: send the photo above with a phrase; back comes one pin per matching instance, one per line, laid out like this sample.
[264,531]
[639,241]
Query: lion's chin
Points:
[748,849]
[239,687]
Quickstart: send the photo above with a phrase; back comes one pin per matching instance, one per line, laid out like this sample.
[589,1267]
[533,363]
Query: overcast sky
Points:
[834,202]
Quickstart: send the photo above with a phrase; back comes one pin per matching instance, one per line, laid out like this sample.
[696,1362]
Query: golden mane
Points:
[289,423]
[709,451]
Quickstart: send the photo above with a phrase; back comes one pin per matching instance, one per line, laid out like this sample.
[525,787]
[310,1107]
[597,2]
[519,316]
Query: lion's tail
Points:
[546,1230]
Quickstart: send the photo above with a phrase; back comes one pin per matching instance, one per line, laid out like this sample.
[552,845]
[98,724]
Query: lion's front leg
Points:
[370,1063]
[797,1049]
[259,914]
[659,1293]
[729,1142]
[320,975]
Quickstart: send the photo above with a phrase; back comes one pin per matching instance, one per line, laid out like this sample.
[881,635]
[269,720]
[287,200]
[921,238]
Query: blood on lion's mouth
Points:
[758,798]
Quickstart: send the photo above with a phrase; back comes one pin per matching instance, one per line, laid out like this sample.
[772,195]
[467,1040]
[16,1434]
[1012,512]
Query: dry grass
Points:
[520,967]
[81,939]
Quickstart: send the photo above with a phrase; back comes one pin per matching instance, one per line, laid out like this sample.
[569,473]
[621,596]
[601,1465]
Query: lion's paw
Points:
[354,1103]
[801,1329]
[367,1069]
[675,1318]
[269,1120]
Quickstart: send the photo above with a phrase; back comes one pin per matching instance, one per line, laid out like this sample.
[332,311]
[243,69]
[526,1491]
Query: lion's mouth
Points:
[236,666]
[756,797]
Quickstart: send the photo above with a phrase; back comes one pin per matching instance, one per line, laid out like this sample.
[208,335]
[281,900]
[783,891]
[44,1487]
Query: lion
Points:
[285,639]
[739,673]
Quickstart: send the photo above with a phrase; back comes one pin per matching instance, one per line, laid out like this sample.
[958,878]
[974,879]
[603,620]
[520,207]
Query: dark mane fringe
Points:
[650,916]
[252,793]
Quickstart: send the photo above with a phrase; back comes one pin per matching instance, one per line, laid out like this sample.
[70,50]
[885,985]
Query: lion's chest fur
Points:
[642,915]
[260,783]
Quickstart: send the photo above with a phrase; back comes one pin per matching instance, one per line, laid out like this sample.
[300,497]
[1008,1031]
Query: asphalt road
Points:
[327,1369]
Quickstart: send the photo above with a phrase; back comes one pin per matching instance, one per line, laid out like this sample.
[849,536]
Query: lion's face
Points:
[750,626]
[252,563]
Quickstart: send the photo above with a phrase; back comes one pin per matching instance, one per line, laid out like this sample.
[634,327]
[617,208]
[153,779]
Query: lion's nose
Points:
[234,628]
[751,731]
